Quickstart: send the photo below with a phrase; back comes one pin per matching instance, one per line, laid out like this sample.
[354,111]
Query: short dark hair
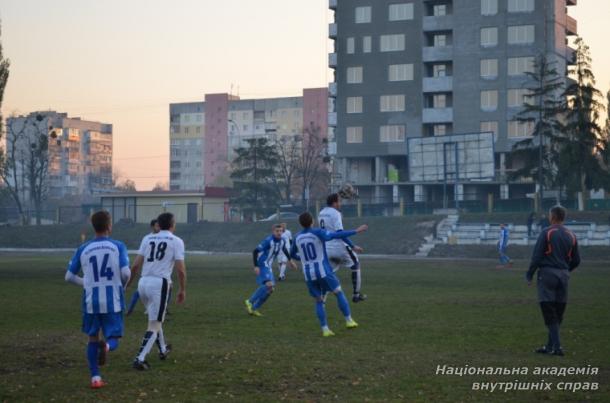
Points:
[165,220]
[306,219]
[101,221]
[559,213]
[275,226]
[332,199]
[153,222]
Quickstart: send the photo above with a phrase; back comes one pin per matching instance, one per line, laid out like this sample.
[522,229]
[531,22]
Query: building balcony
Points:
[332,4]
[437,115]
[437,53]
[332,90]
[569,2]
[332,30]
[571,26]
[332,148]
[570,55]
[438,84]
[332,60]
[441,23]
[332,119]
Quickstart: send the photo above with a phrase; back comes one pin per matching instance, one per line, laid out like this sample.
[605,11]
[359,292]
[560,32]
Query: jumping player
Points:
[105,266]
[158,255]
[310,248]
[341,252]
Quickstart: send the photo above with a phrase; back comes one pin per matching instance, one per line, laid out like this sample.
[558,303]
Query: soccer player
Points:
[263,256]
[310,248]
[154,229]
[341,252]
[282,259]
[158,255]
[555,256]
[502,245]
[105,266]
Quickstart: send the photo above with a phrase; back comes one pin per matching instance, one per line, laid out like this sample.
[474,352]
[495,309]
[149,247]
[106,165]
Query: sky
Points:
[124,61]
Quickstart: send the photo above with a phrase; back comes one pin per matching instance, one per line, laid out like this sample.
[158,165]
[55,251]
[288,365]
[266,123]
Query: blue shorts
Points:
[317,288]
[111,324]
[265,275]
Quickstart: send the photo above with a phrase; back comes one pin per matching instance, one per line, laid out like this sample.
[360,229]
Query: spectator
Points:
[530,223]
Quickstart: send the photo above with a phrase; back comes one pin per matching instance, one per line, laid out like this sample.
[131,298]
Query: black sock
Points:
[554,335]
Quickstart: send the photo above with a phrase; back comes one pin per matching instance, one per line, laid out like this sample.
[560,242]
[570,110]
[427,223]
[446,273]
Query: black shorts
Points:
[553,285]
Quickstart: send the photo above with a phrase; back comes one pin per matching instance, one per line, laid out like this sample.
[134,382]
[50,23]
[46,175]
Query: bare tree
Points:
[312,170]
[161,187]
[289,153]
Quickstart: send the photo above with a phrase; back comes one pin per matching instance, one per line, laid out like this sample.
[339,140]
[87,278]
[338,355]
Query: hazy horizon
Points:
[124,62]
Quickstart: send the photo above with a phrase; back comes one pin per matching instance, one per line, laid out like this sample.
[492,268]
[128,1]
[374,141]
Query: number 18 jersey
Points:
[160,251]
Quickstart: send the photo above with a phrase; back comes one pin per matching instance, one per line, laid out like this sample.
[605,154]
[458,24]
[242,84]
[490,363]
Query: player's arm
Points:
[575,261]
[73,268]
[294,253]
[138,262]
[124,264]
[537,256]
[327,236]
[181,269]
[288,256]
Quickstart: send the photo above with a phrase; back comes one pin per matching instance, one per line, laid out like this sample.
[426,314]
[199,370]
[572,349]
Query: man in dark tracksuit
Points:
[555,256]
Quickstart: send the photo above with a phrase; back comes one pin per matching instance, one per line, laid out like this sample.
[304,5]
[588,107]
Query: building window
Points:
[351,45]
[517,97]
[439,70]
[520,34]
[363,14]
[489,7]
[489,100]
[354,135]
[392,134]
[354,75]
[367,44]
[392,103]
[401,12]
[354,104]
[440,40]
[518,66]
[439,130]
[392,43]
[489,69]
[400,72]
[439,101]
[490,126]
[439,10]
[520,6]
[489,37]
[520,129]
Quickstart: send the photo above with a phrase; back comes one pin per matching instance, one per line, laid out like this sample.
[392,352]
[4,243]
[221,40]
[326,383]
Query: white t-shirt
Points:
[160,251]
[330,220]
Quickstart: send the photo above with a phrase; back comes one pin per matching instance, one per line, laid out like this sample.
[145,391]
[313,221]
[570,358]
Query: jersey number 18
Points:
[160,254]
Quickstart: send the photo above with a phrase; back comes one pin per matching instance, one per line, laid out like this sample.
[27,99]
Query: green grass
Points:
[419,315]
[587,253]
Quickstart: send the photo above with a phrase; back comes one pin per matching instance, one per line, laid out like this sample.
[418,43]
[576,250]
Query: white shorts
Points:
[341,256]
[154,293]
[281,258]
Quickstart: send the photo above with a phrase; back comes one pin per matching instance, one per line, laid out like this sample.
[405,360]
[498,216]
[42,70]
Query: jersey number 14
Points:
[105,271]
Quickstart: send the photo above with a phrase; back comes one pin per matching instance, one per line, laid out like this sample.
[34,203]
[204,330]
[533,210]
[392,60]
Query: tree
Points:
[583,146]
[126,185]
[311,169]
[254,177]
[289,152]
[541,107]
[161,187]
[4,74]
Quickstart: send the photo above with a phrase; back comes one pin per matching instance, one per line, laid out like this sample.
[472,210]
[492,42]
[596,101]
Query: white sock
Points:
[325,328]
[161,341]
[147,342]
[282,269]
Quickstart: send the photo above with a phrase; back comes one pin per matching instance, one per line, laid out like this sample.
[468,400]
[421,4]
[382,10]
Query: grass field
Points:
[420,314]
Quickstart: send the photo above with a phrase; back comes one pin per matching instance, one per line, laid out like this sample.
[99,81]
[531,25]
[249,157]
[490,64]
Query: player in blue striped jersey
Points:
[263,257]
[309,247]
[105,267]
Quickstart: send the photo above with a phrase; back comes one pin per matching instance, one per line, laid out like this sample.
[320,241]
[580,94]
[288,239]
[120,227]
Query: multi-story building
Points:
[406,69]
[79,152]
[204,135]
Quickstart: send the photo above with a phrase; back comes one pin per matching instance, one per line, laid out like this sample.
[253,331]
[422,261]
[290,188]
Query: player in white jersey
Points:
[105,266]
[281,258]
[158,255]
[341,252]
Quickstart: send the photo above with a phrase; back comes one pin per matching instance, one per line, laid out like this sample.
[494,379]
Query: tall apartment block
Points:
[204,135]
[432,70]
[79,154]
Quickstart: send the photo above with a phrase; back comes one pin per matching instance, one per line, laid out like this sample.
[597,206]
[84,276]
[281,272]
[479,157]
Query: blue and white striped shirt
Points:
[101,261]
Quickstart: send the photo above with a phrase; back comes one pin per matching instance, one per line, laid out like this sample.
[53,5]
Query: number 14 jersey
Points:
[160,251]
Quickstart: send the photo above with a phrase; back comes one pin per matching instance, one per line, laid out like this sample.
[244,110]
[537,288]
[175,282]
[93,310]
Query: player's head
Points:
[154,226]
[333,200]
[277,230]
[557,214]
[101,222]
[166,222]
[284,226]
[306,220]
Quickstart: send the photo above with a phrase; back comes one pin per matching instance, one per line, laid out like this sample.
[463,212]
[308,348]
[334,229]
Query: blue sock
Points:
[554,333]
[321,313]
[113,343]
[343,304]
[133,302]
[258,294]
[261,300]
[92,349]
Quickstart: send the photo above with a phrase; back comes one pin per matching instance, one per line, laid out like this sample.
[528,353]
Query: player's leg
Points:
[332,284]
[317,291]
[91,326]
[547,285]
[268,291]
[351,260]
[282,264]
[154,293]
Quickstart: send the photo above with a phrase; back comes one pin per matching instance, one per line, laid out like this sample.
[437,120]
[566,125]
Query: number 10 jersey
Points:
[160,251]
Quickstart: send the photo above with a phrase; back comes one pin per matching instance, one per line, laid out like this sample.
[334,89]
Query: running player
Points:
[105,266]
[341,252]
[310,248]
[158,255]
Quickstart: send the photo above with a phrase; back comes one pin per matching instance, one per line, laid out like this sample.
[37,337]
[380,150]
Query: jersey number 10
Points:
[309,250]
[160,254]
